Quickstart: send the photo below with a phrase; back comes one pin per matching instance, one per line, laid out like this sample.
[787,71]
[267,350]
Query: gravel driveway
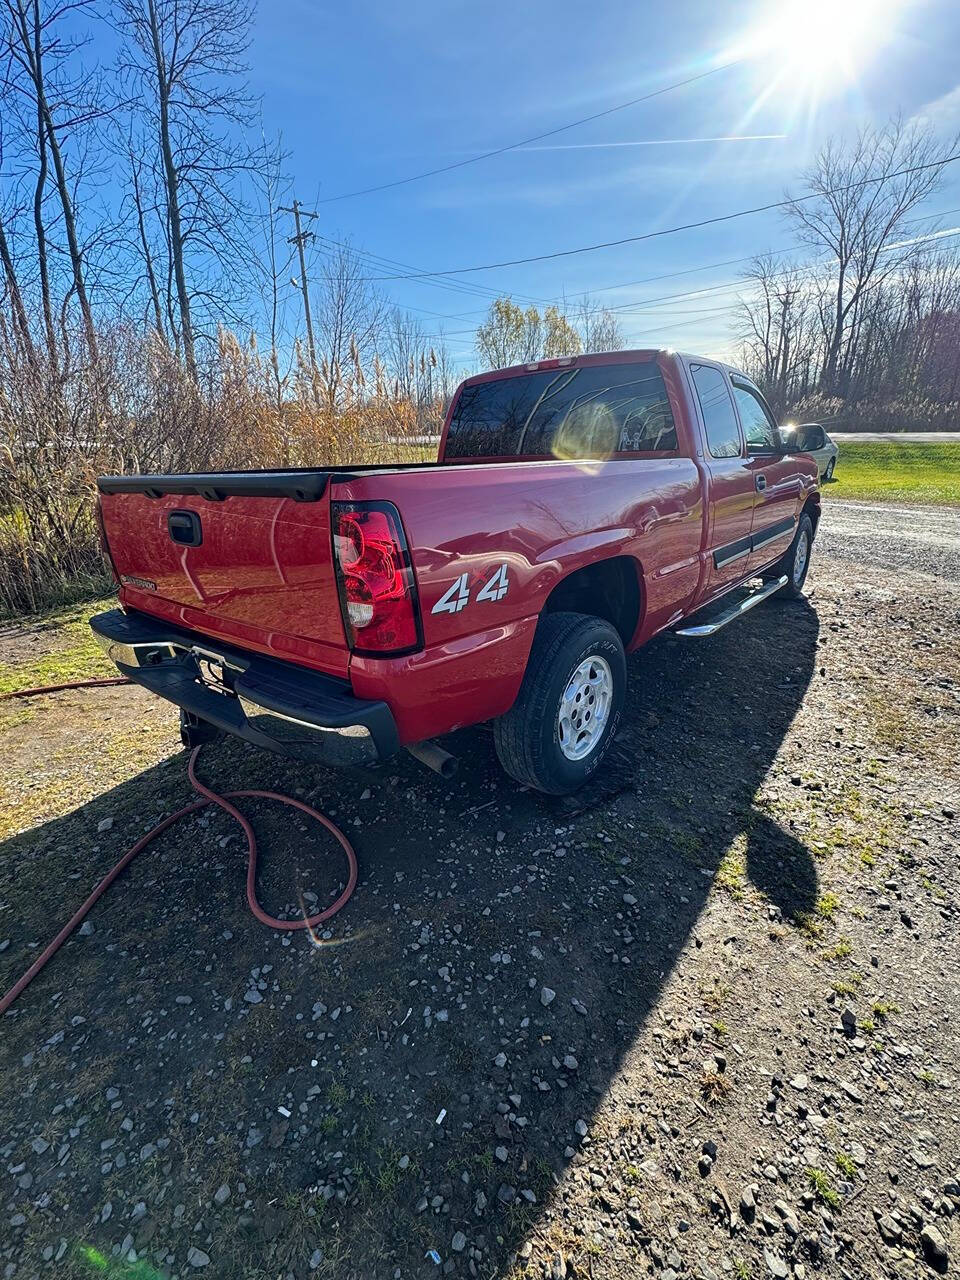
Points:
[922,540]
[698,1022]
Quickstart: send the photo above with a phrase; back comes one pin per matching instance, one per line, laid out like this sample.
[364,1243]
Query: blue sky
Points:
[372,91]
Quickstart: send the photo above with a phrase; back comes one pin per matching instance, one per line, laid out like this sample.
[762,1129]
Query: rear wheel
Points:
[556,734]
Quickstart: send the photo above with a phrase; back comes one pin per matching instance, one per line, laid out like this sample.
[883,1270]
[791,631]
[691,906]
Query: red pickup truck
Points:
[578,507]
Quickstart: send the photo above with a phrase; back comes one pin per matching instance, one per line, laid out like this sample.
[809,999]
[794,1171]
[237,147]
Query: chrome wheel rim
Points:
[800,560]
[585,708]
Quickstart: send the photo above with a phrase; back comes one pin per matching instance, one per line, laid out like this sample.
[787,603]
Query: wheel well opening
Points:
[609,589]
[812,508]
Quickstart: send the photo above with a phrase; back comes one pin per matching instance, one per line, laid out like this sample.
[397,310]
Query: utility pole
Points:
[299,240]
[785,299]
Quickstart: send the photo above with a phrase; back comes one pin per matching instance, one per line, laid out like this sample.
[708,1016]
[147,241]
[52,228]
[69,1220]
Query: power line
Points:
[730,262]
[538,137]
[669,231]
[809,268]
[466,287]
[654,305]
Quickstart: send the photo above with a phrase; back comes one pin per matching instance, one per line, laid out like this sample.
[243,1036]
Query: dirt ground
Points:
[700,1021]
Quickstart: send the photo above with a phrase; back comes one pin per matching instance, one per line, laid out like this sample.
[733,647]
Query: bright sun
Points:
[814,42]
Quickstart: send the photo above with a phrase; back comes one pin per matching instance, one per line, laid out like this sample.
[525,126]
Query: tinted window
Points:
[723,437]
[589,412]
[759,428]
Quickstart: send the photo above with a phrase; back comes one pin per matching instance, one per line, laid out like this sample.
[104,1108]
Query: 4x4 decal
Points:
[457,596]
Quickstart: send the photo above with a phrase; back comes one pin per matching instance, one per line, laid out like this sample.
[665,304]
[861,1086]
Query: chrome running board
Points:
[732,611]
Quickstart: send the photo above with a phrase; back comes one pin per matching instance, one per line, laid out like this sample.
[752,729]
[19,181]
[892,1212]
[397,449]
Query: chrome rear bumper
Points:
[288,709]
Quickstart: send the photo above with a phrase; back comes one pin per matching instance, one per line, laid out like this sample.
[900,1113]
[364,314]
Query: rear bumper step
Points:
[297,713]
[725,610]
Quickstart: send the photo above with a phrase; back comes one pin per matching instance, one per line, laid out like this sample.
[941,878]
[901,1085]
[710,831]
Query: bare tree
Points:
[598,328]
[11,283]
[772,323]
[190,60]
[855,201]
[348,317]
[63,96]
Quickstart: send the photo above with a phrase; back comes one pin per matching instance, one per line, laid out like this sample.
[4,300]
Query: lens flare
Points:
[813,44]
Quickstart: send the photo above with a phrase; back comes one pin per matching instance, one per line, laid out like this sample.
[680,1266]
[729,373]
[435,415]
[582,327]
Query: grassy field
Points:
[71,654]
[891,471]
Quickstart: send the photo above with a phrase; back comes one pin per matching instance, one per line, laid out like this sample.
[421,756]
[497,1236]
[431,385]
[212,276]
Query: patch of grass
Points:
[388,1172]
[715,1086]
[827,905]
[845,1163]
[823,1188]
[867,1026]
[933,888]
[867,858]
[719,1028]
[897,472]
[842,948]
[805,922]
[848,985]
[742,1270]
[717,996]
[75,656]
[927,1077]
[882,1009]
[732,871]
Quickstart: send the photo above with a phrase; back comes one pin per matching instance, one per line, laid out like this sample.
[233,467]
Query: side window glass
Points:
[723,437]
[759,429]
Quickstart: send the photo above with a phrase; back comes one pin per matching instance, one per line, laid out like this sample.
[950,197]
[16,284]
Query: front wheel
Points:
[828,474]
[796,563]
[556,734]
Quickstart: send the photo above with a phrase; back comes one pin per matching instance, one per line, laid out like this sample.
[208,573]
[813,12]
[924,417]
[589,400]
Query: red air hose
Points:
[57,688]
[223,802]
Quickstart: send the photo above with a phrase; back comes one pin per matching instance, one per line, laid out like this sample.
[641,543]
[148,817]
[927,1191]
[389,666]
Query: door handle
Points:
[760,482]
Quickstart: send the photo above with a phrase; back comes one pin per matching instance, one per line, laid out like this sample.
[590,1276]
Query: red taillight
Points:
[377,589]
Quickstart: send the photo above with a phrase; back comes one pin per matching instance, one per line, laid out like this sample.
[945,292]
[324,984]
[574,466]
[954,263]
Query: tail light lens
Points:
[377,588]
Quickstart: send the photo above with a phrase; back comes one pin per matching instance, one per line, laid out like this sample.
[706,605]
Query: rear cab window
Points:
[759,427]
[719,419]
[578,411]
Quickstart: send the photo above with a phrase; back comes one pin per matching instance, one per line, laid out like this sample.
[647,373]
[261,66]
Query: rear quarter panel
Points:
[540,521]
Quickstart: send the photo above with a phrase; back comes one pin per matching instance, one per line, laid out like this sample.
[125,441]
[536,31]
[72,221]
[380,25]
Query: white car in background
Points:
[810,437]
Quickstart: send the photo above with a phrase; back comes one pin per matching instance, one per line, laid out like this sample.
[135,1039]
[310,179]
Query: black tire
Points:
[797,575]
[828,474]
[527,738]
[194,732]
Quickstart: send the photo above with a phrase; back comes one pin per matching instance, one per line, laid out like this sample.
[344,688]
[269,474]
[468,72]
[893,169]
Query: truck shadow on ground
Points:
[416,1081]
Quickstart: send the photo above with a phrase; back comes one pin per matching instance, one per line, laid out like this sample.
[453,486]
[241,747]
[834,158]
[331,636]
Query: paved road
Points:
[897,437]
[908,539]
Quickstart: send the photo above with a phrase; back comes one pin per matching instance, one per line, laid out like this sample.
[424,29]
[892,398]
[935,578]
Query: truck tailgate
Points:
[254,568]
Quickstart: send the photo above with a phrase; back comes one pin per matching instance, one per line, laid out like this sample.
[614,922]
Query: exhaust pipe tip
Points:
[435,758]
